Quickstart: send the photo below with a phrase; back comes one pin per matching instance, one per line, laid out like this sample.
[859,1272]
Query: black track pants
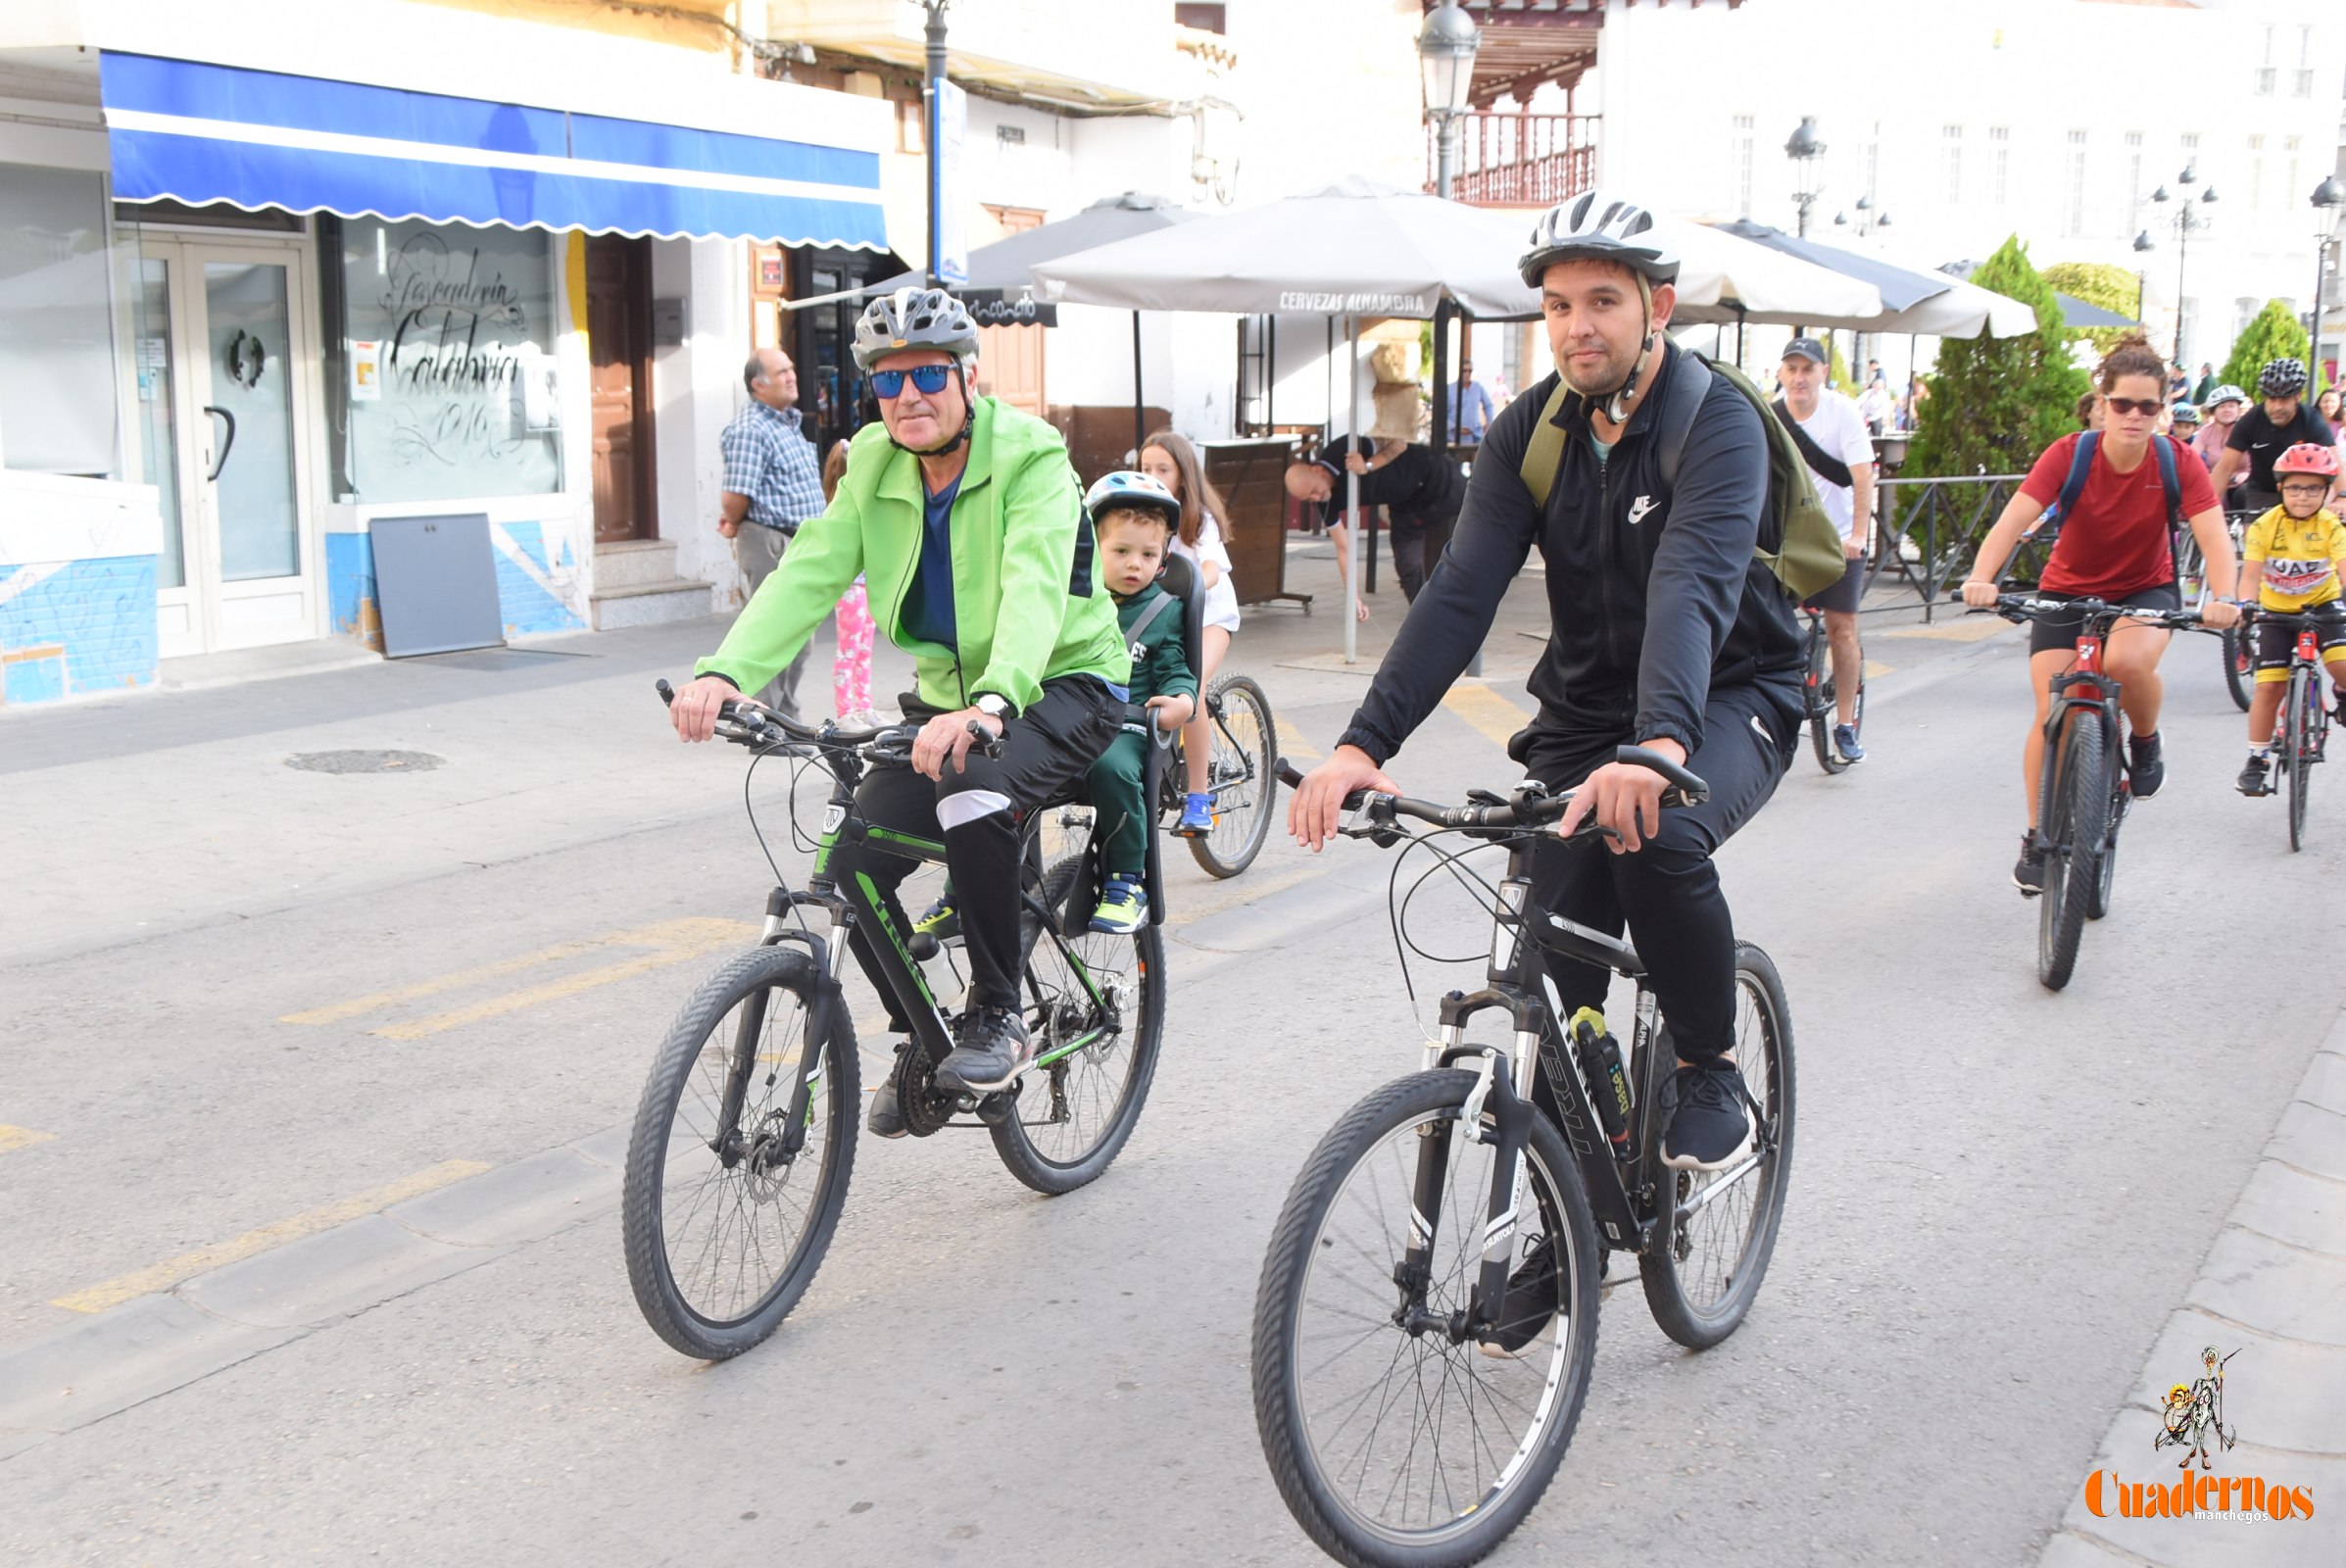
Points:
[1045,750]
[1669,890]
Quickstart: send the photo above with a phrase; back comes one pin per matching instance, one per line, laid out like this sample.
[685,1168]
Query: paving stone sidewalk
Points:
[2272,1288]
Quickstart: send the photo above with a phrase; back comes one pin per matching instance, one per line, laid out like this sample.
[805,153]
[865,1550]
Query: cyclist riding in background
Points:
[2219,413]
[964,514]
[1665,631]
[2281,422]
[2117,544]
[1832,440]
[2293,556]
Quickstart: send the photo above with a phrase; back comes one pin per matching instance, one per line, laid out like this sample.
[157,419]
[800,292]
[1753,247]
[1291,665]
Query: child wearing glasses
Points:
[2293,556]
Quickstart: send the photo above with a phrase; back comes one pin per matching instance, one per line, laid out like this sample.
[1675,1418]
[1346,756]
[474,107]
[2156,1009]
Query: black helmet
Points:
[915,318]
[1594,225]
[2282,378]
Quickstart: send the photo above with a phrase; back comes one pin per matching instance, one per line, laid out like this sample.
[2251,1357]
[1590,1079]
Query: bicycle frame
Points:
[2085,673]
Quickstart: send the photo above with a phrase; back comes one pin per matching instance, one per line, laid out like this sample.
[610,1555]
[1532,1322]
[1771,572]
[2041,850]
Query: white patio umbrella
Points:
[1357,248]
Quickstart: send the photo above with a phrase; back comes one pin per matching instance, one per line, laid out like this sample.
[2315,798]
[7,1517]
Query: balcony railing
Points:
[1518,160]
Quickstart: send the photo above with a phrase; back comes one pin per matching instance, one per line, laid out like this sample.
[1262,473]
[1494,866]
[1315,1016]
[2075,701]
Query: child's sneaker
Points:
[2252,777]
[1123,906]
[939,920]
[1197,817]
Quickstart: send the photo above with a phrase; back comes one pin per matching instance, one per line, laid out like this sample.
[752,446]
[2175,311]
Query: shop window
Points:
[441,361]
[57,370]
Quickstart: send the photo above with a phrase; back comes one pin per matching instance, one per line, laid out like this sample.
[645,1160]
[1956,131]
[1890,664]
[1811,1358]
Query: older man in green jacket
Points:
[963,517]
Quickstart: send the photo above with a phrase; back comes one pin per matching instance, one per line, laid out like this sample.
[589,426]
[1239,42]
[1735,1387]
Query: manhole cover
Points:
[366,761]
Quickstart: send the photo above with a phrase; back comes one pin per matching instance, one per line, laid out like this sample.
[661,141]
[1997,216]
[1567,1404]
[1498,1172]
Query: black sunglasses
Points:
[930,378]
[2145,406]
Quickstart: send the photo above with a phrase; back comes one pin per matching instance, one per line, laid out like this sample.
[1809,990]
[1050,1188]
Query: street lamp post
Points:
[2142,244]
[933,91]
[1804,149]
[2187,220]
[1445,53]
[2329,197]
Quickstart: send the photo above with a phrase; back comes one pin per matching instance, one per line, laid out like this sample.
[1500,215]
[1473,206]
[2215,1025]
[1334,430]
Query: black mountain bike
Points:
[745,1135]
[1444,1217]
[2084,794]
[2301,735]
[1818,700]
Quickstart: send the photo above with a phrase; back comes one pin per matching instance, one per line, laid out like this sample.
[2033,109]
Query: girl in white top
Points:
[1170,460]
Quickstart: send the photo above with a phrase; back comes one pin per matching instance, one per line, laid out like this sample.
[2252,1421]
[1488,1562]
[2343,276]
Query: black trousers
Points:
[1046,750]
[1668,891]
[1417,545]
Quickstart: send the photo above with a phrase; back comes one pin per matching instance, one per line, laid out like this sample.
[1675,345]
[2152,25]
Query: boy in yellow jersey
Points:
[2292,559]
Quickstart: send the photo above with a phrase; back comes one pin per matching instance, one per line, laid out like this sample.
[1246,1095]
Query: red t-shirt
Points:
[2116,542]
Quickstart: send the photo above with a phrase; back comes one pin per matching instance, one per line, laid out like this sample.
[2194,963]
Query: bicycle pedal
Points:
[995,1108]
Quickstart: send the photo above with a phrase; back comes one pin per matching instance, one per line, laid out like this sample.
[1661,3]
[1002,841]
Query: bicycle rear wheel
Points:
[1717,1229]
[2297,746]
[1239,774]
[2075,820]
[726,1218]
[1407,1450]
[1096,1013]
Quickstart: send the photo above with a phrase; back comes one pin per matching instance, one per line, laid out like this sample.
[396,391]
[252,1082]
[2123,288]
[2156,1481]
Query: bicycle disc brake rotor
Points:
[765,1172]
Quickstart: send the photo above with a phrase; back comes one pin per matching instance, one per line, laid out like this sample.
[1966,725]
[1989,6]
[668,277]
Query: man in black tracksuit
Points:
[1667,632]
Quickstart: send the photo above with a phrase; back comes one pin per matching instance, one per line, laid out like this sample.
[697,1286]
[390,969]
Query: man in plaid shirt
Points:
[774,483]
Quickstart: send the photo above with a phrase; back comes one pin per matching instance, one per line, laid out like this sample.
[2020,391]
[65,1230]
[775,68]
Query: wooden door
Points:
[619,300]
[1011,357]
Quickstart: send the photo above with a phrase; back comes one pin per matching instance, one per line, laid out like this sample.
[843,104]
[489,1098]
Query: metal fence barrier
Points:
[1930,529]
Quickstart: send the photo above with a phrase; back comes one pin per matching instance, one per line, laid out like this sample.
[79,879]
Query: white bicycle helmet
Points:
[1127,487]
[2227,393]
[915,318]
[1596,226]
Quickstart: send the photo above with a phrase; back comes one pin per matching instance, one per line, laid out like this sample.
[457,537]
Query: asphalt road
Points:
[1998,1196]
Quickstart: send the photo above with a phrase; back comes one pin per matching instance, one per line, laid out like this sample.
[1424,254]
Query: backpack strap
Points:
[1544,453]
[1823,465]
[2081,464]
[2164,450]
[1681,401]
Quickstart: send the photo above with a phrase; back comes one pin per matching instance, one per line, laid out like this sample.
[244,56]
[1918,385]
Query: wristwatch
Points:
[992,707]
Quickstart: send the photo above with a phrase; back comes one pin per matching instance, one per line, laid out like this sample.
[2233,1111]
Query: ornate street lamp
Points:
[2329,197]
[2188,221]
[1445,53]
[1804,148]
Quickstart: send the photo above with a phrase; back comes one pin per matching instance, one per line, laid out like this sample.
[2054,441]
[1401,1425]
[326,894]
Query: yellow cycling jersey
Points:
[2299,557]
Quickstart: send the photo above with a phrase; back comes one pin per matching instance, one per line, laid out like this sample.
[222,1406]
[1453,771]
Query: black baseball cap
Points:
[1808,348]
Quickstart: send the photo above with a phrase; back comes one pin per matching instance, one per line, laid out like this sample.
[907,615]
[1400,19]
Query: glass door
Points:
[223,378]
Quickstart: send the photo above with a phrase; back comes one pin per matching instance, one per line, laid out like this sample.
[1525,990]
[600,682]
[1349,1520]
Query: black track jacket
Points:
[1653,605]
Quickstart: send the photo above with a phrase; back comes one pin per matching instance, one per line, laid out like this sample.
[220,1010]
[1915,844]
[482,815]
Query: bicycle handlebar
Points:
[753,723]
[1527,807]
[2027,607]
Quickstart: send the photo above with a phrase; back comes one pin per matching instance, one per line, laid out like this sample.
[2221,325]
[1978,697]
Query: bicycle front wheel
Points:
[1406,1446]
[730,1201]
[1239,775]
[1096,1013]
[1717,1229]
[2075,820]
[2239,664]
[2298,716]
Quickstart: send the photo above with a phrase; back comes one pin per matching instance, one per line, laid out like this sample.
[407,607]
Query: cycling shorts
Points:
[2277,642]
[2060,632]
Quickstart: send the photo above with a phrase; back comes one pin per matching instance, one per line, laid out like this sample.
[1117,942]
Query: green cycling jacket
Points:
[1026,608]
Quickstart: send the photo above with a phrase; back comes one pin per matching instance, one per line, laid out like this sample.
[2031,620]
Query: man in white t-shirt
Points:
[1834,441]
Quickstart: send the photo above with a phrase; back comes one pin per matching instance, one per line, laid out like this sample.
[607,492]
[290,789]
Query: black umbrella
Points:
[1900,287]
[2074,312]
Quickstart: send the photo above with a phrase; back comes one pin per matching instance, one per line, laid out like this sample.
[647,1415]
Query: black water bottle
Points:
[1608,1083]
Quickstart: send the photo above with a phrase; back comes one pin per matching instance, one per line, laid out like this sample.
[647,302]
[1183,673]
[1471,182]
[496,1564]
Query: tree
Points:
[2274,334]
[1996,403]
[2113,288]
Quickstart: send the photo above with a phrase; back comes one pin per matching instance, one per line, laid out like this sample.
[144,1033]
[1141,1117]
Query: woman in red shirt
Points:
[2115,544]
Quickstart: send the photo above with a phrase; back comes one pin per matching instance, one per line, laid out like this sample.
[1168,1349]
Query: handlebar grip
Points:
[667,693]
[1689,784]
[987,741]
[1287,774]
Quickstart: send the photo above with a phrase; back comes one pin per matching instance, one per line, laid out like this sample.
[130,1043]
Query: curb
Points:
[2274,1284]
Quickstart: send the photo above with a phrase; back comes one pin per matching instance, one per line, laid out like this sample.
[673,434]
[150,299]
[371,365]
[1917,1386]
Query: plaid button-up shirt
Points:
[769,461]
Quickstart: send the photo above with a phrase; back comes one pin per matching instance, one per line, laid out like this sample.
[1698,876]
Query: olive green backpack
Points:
[1797,542]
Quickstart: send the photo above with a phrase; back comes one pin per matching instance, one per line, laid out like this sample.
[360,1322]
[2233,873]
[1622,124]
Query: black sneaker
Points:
[887,1115]
[2145,771]
[1709,1129]
[1531,1302]
[994,1046]
[2253,777]
[2027,872]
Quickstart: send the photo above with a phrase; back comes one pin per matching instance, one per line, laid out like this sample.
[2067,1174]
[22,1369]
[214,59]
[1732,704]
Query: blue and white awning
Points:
[201,134]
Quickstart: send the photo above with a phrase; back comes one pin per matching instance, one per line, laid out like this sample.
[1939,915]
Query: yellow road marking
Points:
[1969,629]
[1875,669]
[14,1138]
[674,941]
[163,1276]
[1297,749]
[1486,709]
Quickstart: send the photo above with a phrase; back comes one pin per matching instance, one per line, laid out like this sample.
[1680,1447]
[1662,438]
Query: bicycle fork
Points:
[823,1013]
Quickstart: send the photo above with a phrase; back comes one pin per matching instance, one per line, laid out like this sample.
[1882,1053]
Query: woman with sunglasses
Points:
[2115,543]
[963,516]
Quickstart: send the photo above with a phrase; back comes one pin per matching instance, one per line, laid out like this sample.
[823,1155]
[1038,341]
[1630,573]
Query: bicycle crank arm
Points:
[1712,1188]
